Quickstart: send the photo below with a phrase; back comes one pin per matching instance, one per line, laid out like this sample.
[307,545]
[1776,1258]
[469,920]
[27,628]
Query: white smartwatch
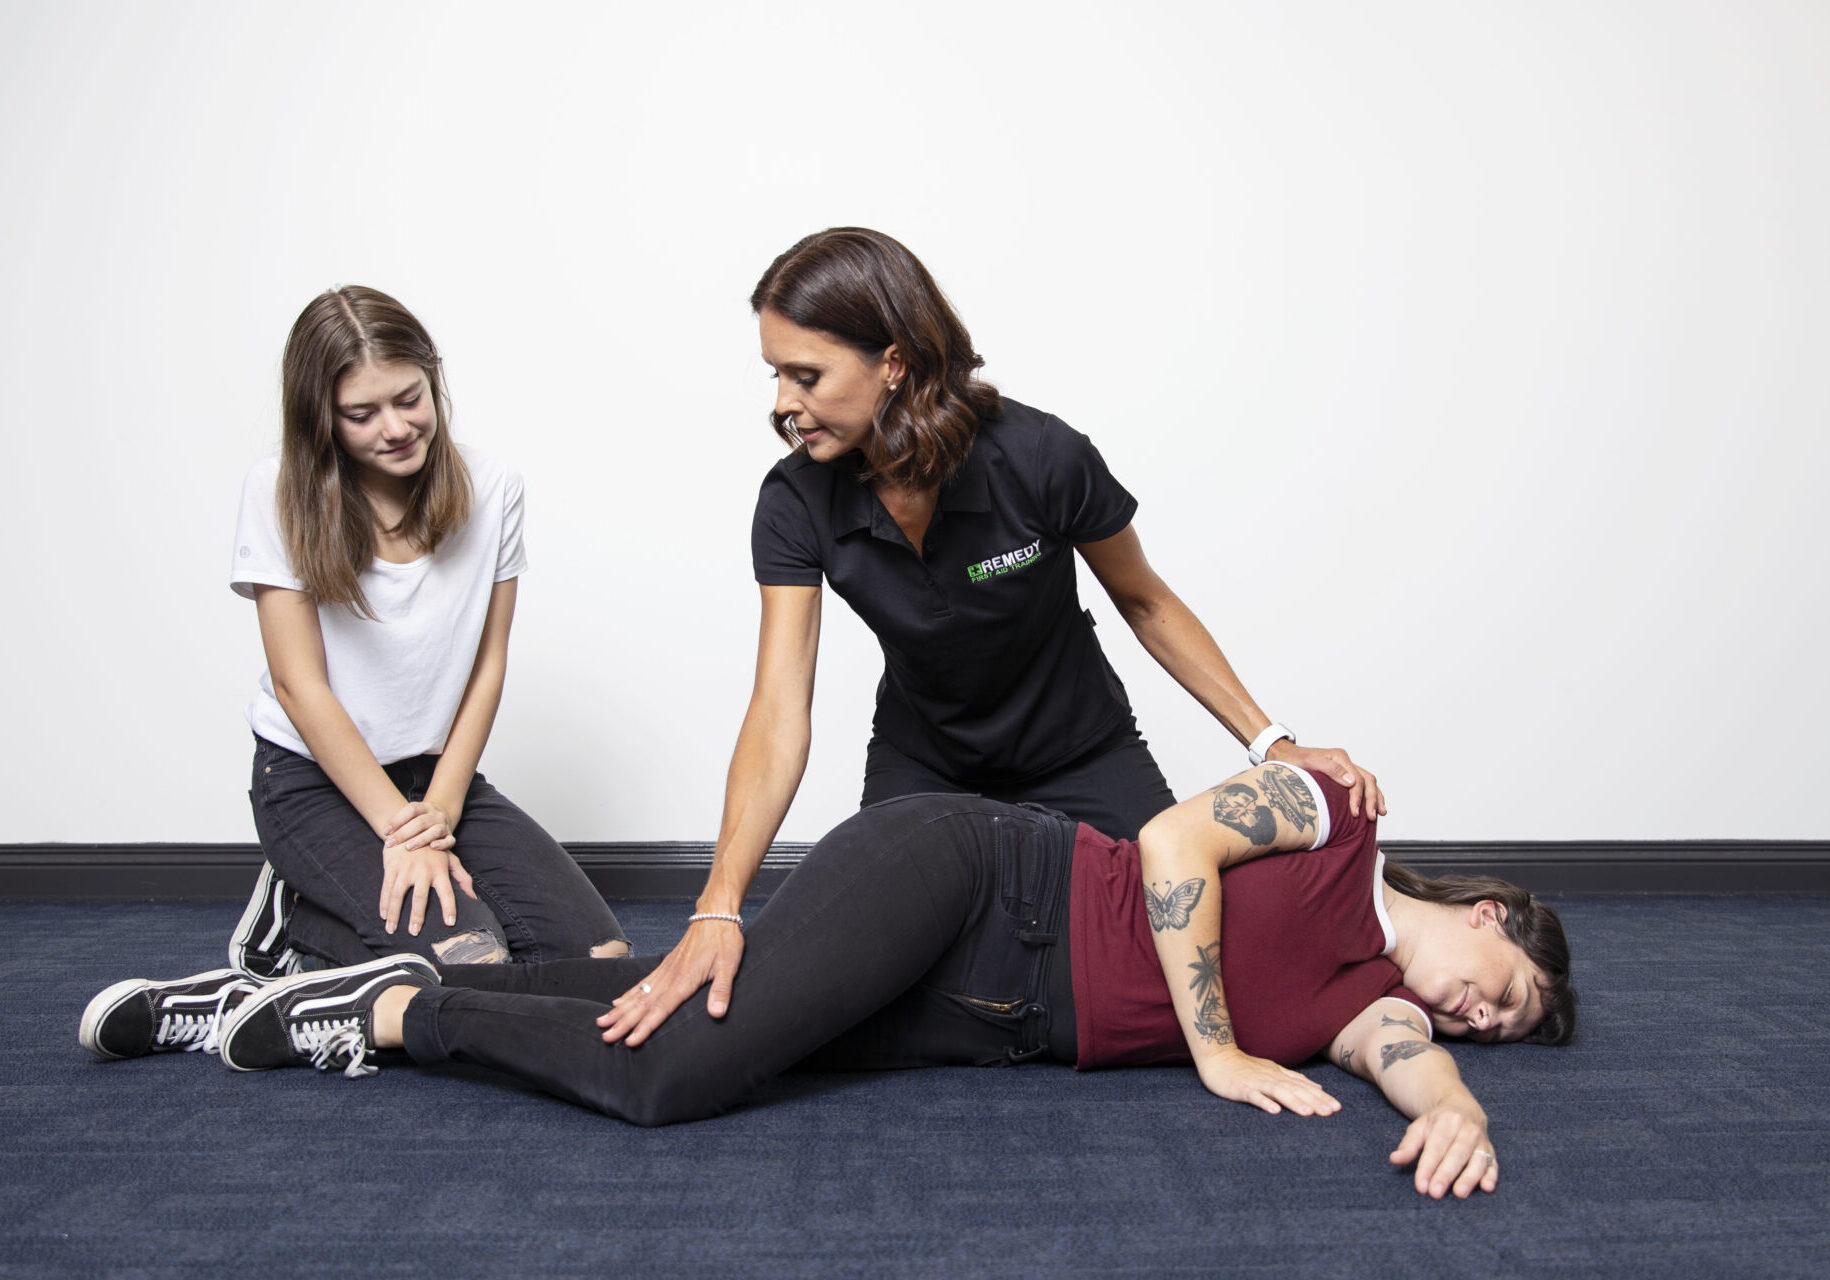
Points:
[1262,743]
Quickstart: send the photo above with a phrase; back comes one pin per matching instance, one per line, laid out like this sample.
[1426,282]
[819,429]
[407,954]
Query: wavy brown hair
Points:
[325,517]
[1530,924]
[864,289]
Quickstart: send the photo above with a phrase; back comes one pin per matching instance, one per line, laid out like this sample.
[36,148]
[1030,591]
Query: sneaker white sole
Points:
[109,999]
[98,1009]
[280,986]
[263,904]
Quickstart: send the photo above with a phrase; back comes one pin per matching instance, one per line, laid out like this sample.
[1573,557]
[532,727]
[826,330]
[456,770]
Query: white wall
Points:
[1460,354]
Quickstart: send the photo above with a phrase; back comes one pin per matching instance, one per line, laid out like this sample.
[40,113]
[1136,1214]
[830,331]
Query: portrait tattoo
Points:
[1236,806]
[1399,1022]
[1170,910]
[1392,1054]
[1284,792]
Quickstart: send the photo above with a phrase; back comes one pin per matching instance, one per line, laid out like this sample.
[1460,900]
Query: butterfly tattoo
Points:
[1170,910]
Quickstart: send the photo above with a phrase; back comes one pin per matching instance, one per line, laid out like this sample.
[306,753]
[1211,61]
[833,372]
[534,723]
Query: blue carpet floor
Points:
[1686,1134]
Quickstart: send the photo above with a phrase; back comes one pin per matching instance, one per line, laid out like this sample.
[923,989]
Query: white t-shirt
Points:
[401,674]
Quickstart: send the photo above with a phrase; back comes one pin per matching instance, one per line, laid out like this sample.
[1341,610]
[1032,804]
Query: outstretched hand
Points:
[1259,1082]
[1453,1151]
[710,952]
[1362,786]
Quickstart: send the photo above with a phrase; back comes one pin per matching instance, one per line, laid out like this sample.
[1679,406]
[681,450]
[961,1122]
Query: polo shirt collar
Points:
[852,501]
[855,507]
[970,488]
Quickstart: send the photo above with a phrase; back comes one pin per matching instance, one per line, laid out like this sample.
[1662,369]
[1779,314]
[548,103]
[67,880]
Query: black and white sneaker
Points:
[258,946]
[318,1019]
[139,1017]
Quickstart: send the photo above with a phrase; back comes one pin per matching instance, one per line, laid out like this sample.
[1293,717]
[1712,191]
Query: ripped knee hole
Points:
[476,947]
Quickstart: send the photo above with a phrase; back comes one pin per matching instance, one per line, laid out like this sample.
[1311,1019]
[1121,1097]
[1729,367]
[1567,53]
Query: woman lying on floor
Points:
[946,929]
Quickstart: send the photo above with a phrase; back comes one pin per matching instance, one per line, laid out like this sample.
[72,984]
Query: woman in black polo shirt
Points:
[947,516]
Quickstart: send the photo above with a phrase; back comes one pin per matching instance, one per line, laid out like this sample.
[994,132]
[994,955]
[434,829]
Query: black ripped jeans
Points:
[924,931]
[531,896]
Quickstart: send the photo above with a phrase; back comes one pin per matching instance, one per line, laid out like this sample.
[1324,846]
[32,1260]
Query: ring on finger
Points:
[648,990]
[1484,1155]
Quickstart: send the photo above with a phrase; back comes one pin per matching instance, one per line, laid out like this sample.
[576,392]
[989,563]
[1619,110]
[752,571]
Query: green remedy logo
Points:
[1009,562]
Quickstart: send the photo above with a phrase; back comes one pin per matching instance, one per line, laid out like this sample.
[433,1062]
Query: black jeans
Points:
[1116,787]
[531,895]
[924,931]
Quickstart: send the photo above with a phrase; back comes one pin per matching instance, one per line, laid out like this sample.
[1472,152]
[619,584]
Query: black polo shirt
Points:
[991,673]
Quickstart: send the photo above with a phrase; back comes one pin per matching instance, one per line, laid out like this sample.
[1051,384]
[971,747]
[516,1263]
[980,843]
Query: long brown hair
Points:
[1530,924]
[325,518]
[864,289]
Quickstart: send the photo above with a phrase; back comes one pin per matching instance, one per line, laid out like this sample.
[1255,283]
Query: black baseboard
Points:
[677,870]
[38,872]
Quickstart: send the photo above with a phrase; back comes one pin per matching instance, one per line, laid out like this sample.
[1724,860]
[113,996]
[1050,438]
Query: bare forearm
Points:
[1447,1138]
[1170,632]
[1182,887]
[1182,853]
[1417,1076]
[470,730]
[476,712]
[1176,639]
[1182,646]
[766,769]
[338,747]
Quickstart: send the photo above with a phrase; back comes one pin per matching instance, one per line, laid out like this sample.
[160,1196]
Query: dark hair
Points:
[1529,923]
[864,289]
[325,518]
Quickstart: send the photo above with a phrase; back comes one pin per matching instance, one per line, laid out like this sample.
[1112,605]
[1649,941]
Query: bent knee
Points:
[664,1102]
[610,950]
[478,946]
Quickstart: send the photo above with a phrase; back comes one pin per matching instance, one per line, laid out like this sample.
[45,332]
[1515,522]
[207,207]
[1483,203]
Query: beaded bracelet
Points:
[716,915]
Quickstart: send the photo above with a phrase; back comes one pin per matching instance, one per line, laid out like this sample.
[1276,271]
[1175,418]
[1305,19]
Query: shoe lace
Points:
[333,1043]
[265,966]
[199,1032]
